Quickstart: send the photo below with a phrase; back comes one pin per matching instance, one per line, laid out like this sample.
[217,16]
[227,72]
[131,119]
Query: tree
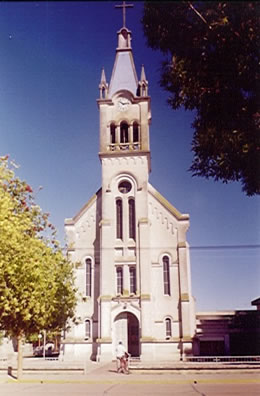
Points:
[36,280]
[211,66]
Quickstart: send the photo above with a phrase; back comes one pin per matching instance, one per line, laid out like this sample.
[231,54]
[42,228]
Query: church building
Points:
[128,243]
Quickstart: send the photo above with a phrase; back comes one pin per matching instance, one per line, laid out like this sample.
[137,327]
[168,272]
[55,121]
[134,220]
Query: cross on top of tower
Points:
[124,6]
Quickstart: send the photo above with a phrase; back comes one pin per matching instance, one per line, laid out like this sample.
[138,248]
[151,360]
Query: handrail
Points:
[223,359]
[124,146]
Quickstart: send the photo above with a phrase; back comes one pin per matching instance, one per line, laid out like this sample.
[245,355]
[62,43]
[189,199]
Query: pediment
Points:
[92,201]
[167,205]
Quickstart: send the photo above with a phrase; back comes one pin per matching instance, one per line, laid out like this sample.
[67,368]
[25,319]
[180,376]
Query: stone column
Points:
[144,281]
[184,291]
[130,136]
[118,137]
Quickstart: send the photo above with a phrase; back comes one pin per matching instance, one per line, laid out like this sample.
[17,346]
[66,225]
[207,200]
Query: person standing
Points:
[121,354]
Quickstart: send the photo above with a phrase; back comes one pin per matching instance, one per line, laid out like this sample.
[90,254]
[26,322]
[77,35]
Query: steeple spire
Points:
[143,83]
[143,78]
[103,86]
[124,6]
[103,76]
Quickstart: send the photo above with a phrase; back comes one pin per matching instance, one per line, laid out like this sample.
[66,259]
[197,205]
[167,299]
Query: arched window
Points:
[135,132]
[112,134]
[166,275]
[124,132]
[119,280]
[88,277]
[132,280]
[119,219]
[87,329]
[168,327]
[131,207]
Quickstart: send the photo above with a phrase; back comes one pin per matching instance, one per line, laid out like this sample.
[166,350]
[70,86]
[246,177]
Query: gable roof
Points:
[166,204]
[73,220]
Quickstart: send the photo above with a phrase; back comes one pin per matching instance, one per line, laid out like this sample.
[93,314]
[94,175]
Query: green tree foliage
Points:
[212,66]
[36,280]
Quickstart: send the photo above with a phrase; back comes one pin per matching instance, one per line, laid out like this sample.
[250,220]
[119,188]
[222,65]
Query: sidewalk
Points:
[41,371]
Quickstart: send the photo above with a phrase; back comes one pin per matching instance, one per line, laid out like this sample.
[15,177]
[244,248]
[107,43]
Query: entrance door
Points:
[133,335]
[120,326]
[126,329]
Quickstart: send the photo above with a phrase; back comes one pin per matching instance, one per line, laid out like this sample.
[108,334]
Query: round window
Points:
[124,187]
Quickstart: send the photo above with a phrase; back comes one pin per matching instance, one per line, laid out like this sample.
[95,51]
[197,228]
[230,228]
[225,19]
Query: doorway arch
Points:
[126,326]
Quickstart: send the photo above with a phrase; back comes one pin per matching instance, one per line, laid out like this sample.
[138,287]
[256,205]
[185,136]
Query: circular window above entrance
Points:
[124,187]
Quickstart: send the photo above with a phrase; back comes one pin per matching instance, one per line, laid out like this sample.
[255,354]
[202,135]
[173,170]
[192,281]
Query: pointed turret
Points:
[143,77]
[103,86]
[143,84]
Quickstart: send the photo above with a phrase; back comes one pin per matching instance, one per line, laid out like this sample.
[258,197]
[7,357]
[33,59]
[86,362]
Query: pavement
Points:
[104,381]
[54,371]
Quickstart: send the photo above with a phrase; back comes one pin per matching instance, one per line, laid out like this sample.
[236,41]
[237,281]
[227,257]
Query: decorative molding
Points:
[125,298]
[164,218]
[119,154]
[104,340]
[105,102]
[105,223]
[147,339]
[130,260]
[145,297]
[104,298]
[143,220]
[151,340]
[185,297]
[182,245]
[178,215]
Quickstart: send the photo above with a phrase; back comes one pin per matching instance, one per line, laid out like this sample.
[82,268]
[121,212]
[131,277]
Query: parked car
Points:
[49,350]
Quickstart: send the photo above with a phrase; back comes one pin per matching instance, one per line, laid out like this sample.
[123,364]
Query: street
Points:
[152,384]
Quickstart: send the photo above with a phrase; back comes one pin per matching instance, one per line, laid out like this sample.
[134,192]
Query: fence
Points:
[224,359]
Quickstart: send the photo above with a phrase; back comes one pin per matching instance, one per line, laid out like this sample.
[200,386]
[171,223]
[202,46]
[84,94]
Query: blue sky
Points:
[52,54]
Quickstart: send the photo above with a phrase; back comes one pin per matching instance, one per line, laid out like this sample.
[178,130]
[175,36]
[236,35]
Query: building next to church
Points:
[128,242]
[228,333]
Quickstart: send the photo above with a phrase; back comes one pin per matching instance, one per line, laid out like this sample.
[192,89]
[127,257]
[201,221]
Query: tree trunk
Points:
[56,343]
[20,357]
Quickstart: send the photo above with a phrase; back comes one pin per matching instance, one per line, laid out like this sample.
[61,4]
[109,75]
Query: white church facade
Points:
[128,243]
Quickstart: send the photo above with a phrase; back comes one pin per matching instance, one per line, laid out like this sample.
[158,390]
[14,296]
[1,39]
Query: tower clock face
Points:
[123,104]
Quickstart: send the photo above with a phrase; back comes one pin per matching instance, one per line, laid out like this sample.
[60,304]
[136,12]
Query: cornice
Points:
[104,340]
[121,153]
[178,215]
[185,297]
[72,221]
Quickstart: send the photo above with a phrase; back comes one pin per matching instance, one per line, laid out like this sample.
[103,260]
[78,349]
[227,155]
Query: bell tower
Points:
[124,106]
[124,152]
